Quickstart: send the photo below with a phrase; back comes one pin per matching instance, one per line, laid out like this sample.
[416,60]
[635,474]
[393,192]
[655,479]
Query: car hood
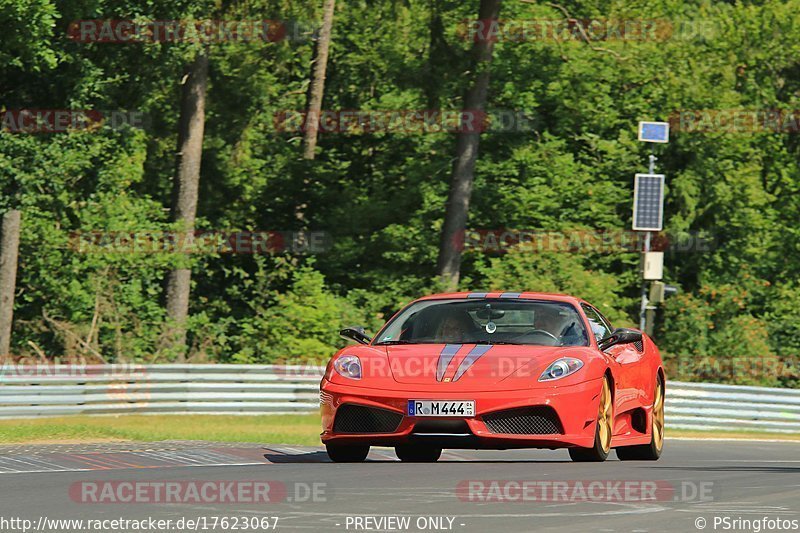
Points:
[478,364]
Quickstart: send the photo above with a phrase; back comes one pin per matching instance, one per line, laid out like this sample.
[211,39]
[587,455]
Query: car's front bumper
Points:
[575,406]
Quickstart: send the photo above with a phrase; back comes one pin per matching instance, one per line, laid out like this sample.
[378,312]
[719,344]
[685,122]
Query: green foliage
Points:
[301,324]
[712,336]
[526,269]
[380,196]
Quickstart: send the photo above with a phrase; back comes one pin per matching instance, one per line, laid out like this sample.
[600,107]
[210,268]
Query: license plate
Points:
[461,408]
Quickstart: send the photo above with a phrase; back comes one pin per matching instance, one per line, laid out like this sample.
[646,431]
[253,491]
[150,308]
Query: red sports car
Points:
[495,370]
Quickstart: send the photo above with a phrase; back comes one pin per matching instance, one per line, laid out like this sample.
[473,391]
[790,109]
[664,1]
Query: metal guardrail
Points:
[57,390]
[714,407]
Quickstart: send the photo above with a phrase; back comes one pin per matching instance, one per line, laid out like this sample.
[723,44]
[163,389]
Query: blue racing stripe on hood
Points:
[511,295]
[477,295]
[448,352]
[473,355]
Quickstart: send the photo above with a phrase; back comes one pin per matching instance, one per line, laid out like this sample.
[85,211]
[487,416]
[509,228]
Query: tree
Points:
[185,194]
[316,89]
[9,248]
[463,174]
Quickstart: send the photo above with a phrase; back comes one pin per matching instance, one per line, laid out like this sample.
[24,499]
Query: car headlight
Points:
[561,368]
[348,366]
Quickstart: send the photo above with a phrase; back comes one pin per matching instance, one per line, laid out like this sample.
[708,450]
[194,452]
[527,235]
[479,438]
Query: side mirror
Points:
[620,336]
[356,333]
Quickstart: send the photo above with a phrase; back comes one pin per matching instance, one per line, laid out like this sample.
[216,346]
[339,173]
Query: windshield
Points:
[486,321]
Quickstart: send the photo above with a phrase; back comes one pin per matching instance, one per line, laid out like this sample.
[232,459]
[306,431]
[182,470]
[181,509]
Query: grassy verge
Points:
[274,429]
[731,435]
[277,429]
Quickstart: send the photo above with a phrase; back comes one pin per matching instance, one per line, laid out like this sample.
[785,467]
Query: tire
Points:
[652,451]
[603,430]
[409,453]
[340,453]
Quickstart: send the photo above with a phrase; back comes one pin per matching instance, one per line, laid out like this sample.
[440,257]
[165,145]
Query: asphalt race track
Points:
[757,480]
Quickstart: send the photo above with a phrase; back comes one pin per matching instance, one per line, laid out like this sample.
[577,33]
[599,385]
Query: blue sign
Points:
[654,132]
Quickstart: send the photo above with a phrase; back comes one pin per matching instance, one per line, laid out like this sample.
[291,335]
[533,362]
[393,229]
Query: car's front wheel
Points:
[340,453]
[652,451]
[417,454]
[603,430]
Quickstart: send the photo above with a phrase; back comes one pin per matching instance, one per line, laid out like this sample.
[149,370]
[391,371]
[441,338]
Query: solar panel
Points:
[648,202]
[654,132]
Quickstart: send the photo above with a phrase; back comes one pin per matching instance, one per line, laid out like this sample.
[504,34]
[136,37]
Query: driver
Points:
[547,318]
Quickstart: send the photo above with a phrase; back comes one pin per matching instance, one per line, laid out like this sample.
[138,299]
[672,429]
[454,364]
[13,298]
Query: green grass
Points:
[273,429]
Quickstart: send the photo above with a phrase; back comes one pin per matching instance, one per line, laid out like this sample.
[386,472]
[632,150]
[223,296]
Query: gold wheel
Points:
[605,417]
[658,416]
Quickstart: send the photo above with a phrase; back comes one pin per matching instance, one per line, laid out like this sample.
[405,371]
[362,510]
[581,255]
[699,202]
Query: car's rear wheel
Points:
[603,430]
[409,453]
[341,453]
[652,451]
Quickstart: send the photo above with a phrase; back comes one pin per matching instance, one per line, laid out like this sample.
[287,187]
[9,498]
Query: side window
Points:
[605,321]
[600,327]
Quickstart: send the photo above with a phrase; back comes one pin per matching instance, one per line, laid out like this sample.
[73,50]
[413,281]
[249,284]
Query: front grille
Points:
[351,418]
[536,420]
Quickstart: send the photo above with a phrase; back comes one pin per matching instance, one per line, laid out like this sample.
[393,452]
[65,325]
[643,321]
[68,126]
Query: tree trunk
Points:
[185,193]
[317,87]
[457,208]
[9,250]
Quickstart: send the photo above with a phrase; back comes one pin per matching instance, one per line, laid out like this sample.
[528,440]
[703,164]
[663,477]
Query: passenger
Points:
[454,328]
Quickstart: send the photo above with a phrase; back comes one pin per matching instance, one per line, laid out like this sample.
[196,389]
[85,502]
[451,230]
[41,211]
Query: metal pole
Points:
[643,309]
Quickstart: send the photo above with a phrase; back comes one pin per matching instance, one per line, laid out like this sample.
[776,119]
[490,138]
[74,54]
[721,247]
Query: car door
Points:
[626,395]
[630,357]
